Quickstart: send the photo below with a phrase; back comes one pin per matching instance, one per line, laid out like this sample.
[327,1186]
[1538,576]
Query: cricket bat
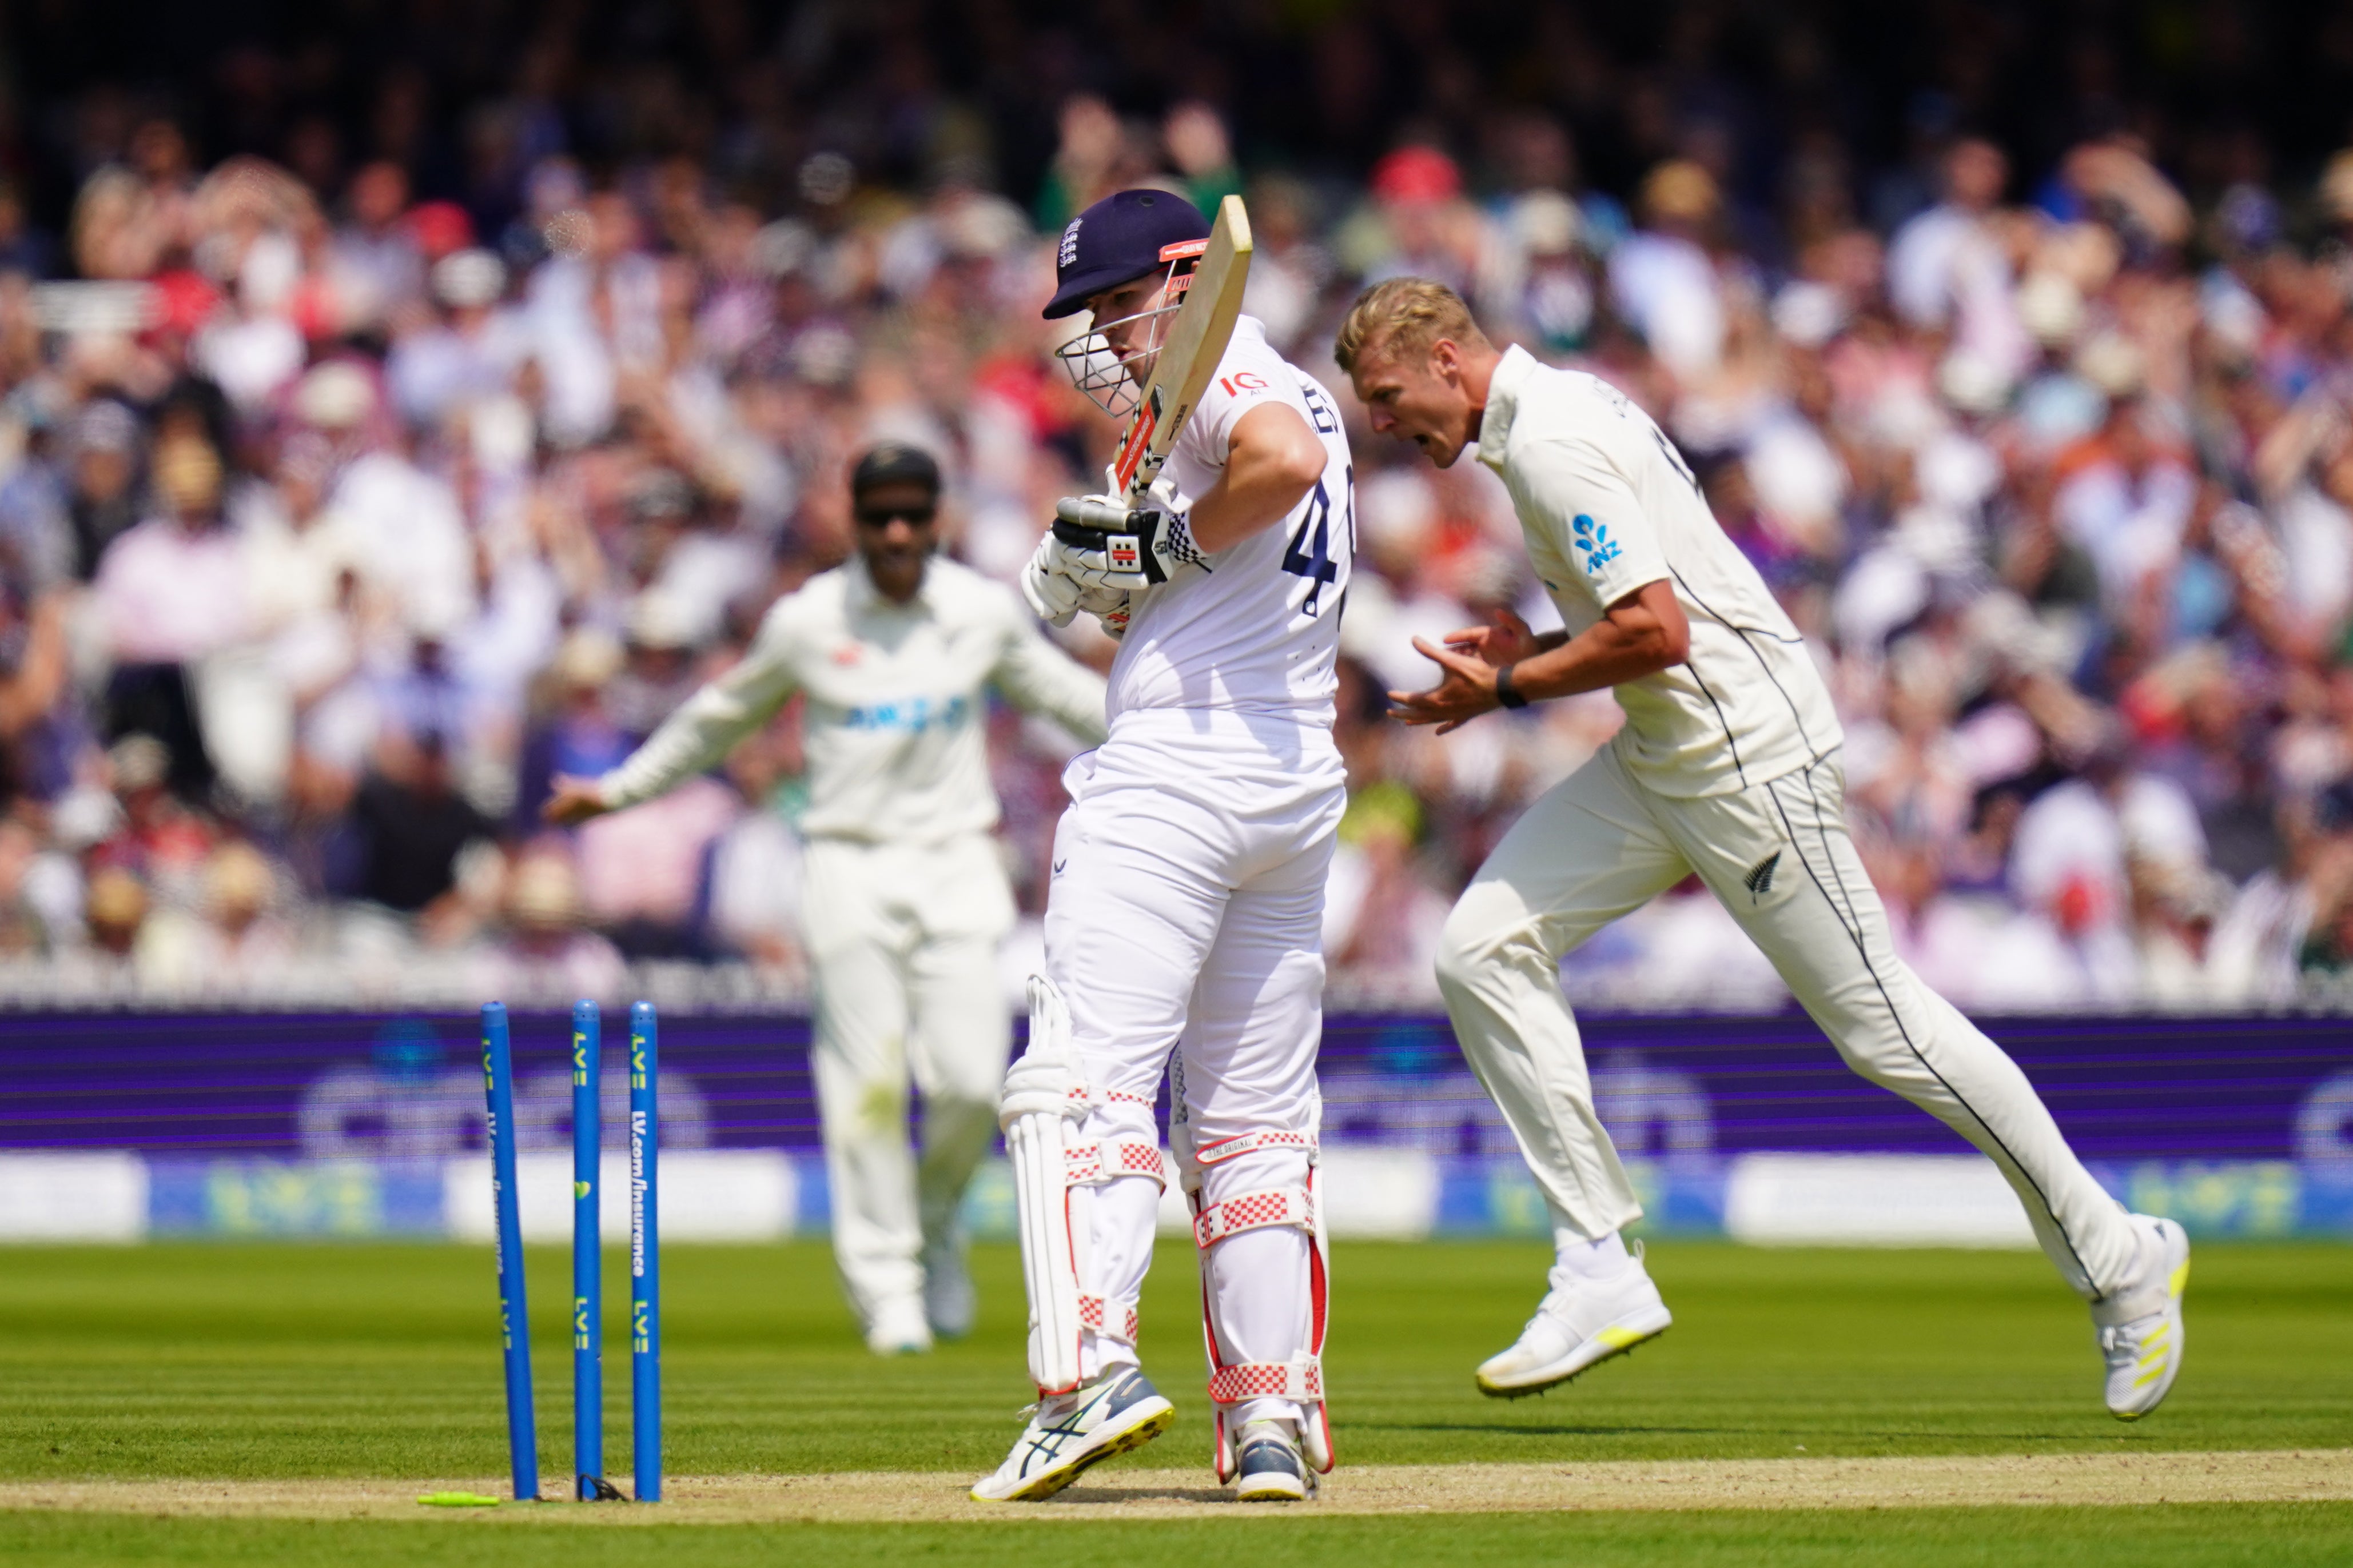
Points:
[1196,341]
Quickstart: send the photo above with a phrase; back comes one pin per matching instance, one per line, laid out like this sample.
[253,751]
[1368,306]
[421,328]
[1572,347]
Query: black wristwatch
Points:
[1505,691]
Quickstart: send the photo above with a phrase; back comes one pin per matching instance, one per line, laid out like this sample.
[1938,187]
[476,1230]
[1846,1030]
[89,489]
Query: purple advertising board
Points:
[408,1086]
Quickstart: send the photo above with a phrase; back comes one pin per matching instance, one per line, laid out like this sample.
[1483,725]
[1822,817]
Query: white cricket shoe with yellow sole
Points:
[1068,1432]
[1581,1323]
[2139,1326]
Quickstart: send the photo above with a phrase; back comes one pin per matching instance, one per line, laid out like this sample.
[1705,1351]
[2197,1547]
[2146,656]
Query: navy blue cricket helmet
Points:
[1118,240]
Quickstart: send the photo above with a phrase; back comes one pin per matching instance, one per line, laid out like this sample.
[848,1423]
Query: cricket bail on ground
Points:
[587,1256]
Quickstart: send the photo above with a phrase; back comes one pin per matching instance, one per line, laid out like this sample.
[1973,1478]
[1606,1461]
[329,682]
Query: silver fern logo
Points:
[1592,539]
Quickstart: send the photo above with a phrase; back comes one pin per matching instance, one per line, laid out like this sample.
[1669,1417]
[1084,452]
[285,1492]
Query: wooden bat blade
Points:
[1196,341]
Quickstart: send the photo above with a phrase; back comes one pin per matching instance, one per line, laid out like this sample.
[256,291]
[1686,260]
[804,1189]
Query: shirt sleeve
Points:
[708,724]
[1249,376]
[1593,516]
[1038,678]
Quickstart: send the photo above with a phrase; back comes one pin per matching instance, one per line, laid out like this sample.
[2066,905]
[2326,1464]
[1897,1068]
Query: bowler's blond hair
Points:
[1404,313]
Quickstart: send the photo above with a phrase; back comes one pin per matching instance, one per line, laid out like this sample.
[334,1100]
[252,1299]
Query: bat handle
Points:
[1088,511]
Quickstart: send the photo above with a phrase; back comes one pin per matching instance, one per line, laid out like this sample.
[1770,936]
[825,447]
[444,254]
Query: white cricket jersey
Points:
[1259,632]
[893,728]
[1607,507]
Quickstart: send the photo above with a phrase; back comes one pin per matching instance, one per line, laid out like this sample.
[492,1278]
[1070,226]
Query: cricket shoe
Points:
[1067,1433]
[1269,1466]
[899,1329]
[950,1303]
[1581,1322]
[2139,1326]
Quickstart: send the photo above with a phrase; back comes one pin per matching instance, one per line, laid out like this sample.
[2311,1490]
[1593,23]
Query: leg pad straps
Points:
[1113,1318]
[1264,1138]
[1254,1211]
[1300,1378]
[1092,1164]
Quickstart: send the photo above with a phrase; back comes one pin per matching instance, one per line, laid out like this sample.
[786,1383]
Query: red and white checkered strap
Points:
[1265,1138]
[1082,1097]
[1301,1379]
[1113,1318]
[1254,1211]
[1092,1164]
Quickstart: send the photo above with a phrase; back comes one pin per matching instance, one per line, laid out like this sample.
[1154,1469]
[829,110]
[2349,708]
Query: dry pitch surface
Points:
[1114,1492]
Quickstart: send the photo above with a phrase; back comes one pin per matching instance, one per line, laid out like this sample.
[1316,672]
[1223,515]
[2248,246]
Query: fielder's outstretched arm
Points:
[1038,678]
[1272,460]
[693,739]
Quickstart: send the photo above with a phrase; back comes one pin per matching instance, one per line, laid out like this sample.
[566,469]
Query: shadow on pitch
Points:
[1515,1430]
[1511,1430]
[1098,1493]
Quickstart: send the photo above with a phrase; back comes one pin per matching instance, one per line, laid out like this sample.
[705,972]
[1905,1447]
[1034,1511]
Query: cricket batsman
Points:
[1186,902]
[1728,765]
[906,902]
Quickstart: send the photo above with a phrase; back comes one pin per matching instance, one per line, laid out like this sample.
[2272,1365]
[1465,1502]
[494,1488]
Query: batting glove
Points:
[1052,592]
[1108,606]
[1129,548]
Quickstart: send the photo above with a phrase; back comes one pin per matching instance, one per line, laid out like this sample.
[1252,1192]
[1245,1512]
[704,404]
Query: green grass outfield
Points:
[280,1362]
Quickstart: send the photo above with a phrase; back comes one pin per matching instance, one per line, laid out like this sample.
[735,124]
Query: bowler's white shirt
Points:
[895,725]
[1608,507]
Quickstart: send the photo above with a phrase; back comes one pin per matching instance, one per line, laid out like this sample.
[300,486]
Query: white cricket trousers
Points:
[1778,856]
[1186,915]
[902,941]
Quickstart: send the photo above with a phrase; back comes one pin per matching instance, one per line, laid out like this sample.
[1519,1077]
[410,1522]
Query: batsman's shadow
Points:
[1109,1493]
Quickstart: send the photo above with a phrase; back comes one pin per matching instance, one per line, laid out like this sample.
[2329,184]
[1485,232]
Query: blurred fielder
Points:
[907,900]
[1186,904]
[1728,765]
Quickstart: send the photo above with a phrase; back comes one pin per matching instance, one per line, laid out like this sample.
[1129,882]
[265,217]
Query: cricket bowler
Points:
[1728,765]
[1186,909]
[907,901]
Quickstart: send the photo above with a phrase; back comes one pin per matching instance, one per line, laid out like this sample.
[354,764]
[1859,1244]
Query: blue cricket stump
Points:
[589,1484]
[644,1254]
[514,1314]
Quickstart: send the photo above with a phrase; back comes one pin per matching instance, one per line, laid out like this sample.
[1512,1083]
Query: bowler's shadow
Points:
[1511,1430]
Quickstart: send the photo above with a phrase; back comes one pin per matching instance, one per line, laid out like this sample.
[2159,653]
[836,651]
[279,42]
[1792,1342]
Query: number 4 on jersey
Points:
[1309,554]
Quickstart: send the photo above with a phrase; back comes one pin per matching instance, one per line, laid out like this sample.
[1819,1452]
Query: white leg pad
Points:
[1299,1379]
[1041,1090]
[1049,1264]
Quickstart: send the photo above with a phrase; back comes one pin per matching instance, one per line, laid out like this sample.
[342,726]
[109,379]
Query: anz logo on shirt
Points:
[1593,541]
[914,715]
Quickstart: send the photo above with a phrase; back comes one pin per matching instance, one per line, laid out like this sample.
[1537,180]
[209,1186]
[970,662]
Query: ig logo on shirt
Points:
[1593,542]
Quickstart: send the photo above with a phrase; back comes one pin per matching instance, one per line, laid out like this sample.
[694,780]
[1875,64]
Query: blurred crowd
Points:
[344,502]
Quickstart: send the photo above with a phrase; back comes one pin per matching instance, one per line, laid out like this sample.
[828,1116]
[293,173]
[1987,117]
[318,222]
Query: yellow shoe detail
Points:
[1619,1339]
[2180,1280]
[2144,1379]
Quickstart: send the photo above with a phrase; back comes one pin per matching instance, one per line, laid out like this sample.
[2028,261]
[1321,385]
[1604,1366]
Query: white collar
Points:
[1512,373]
